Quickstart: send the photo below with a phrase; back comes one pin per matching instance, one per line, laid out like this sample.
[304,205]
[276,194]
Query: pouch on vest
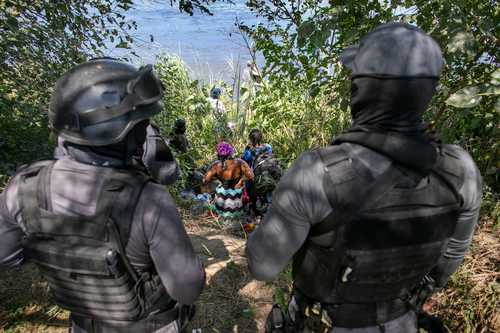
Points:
[83,258]
[381,238]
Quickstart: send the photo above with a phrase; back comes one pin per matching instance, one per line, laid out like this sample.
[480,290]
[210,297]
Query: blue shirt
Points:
[250,153]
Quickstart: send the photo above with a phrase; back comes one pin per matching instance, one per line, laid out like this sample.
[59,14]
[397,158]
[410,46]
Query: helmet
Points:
[180,125]
[215,92]
[98,102]
[394,49]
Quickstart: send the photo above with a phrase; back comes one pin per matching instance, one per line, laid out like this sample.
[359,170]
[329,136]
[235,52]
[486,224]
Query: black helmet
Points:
[180,125]
[215,92]
[98,102]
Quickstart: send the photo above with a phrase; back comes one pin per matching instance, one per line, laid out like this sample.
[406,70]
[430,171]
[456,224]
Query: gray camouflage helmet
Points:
[397,50]
[98,102]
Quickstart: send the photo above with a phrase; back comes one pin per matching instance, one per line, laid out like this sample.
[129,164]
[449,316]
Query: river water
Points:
[209,45]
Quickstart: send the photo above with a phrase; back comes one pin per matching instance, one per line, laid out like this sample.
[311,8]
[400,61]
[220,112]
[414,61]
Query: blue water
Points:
[209,45]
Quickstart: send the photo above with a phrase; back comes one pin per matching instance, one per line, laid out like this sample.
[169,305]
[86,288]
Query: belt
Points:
[151,323]
[365,314]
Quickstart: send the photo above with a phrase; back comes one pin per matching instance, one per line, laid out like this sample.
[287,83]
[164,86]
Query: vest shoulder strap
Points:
[33,167]
[119,198]
[34,181]
[345,187]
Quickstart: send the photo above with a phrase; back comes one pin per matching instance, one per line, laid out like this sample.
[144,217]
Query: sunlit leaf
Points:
[465,98]
[462,42]
[495,77]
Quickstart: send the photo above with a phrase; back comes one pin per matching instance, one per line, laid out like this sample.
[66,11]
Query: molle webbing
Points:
[107,297]
[83,258]
[380,240]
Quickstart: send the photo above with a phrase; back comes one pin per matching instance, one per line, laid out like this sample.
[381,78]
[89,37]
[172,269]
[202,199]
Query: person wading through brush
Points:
[177,137]
[180,144]
[232,174]
[380,219]
[108,240]
[266,169]
[219,114]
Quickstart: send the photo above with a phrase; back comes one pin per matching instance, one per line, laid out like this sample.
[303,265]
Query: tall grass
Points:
[291,120]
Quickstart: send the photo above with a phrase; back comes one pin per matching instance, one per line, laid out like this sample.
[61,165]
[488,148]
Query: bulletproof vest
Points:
[383,237]
[83,258]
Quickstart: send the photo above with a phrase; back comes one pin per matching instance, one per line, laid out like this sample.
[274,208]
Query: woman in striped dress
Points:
[232,173]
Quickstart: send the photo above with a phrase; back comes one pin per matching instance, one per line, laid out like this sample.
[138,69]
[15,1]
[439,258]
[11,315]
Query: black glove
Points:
[430,323]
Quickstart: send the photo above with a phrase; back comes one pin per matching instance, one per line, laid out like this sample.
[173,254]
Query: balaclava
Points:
[395,70]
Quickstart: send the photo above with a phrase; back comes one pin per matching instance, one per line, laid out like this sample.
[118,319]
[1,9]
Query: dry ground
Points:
[233,302]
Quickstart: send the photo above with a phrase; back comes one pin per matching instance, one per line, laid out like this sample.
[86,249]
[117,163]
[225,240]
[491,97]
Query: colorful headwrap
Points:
[224,149]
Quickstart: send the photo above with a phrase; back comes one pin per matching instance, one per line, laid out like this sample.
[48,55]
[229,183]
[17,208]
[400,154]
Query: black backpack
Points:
[267,173]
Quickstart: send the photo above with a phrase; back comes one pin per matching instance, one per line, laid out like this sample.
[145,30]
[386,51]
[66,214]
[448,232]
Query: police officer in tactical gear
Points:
[382,217]
[107,238]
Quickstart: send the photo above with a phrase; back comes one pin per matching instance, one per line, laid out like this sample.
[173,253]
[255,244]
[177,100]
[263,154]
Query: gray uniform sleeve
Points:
[299,202]
[174,258]
[11,234]
[158,158]
[460,240]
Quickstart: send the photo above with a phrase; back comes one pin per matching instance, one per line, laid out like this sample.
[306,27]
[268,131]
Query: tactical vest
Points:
[83,258]
[364,261]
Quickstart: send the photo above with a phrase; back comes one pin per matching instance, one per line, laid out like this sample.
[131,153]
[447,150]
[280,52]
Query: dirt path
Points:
[231,301]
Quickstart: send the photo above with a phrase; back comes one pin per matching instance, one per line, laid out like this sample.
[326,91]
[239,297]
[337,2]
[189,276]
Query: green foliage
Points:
[40,41]
[491,206]
[301,42]
[187,99]
[178,88]
[292,121]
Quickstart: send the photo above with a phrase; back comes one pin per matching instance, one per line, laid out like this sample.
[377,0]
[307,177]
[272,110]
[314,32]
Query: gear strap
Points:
[376,190]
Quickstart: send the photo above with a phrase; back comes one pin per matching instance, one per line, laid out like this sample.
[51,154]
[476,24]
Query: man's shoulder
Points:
[268,147]
[12,188]
[321,157]
[308,164]
[456,160]
[26,168]
[455,156]
[239,160]
[155,201]
[155,192]
[456,152]
[300,193]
